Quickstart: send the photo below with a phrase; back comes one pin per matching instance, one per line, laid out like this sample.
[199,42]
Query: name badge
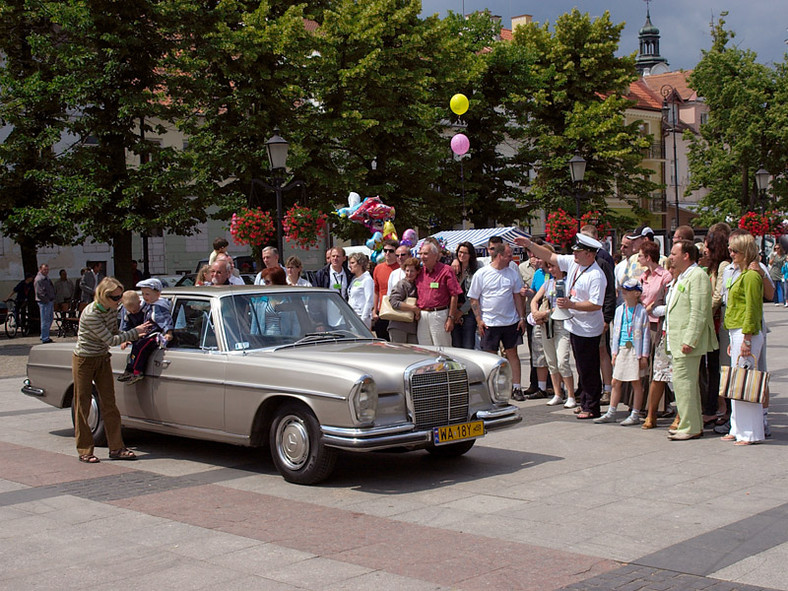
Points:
[434,285]
[629,344]
[357,284]
[337,286]
[680,287]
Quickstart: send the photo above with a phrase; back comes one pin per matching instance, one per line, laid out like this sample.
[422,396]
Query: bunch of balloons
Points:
[377,217]
[460,144]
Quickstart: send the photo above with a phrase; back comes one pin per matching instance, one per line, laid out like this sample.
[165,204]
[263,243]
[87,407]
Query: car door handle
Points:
[163,363]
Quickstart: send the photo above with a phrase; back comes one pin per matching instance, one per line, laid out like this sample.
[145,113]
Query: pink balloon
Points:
[460,144]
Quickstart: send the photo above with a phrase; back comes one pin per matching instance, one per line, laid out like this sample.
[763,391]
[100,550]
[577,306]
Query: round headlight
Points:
[501,383]
[364,400]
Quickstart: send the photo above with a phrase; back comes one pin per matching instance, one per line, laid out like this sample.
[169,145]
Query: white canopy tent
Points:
[479,237]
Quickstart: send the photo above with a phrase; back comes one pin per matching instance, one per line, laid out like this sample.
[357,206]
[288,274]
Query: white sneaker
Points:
[555,401]
[631,420]
[570,403]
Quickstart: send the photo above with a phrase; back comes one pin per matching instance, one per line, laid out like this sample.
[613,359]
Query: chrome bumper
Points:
[406,435]
[32,390]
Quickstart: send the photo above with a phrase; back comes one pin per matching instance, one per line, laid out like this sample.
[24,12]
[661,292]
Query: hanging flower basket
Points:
[254,227]
[755,223]
[303,225]
[596,219]
[560,228]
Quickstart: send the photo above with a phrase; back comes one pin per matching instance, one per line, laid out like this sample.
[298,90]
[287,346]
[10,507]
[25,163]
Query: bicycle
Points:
[16,320]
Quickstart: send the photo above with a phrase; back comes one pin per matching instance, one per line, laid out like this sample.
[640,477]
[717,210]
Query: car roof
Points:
[222,290]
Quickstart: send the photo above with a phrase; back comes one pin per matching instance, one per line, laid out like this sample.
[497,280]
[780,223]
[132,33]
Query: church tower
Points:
[648,60]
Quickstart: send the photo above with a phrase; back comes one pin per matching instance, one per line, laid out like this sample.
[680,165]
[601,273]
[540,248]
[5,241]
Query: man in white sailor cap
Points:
[585,284]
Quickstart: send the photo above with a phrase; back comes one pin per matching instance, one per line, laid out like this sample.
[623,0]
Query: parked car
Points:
[294,369]
[244,263]
[188,279]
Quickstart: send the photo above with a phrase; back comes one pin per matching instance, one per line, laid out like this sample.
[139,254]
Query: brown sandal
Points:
[89,459]
[122,454]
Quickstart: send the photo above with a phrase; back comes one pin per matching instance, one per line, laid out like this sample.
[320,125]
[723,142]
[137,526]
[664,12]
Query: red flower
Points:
[596,219]
[254,227]
[303,225]
[560,228]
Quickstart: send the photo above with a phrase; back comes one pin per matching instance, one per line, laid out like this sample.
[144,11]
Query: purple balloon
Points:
[460,144]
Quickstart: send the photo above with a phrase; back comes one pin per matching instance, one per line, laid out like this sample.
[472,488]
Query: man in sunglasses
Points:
[380,276]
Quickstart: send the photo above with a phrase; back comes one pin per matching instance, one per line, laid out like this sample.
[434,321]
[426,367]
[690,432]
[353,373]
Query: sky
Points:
[760,25]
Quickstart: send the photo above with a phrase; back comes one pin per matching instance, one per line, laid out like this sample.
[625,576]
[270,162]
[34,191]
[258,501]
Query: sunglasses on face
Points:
[404,254]
[388,250]
[733,250]
[115,298]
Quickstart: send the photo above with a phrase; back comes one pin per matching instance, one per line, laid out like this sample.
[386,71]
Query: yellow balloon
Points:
[459,103]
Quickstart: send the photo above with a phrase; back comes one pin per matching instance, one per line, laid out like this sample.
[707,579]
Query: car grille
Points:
[439,398]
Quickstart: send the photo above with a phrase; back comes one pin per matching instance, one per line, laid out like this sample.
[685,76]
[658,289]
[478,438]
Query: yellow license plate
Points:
[452,433]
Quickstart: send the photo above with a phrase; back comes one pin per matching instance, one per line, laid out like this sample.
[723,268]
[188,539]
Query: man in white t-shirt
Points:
[585,284]
[498,307]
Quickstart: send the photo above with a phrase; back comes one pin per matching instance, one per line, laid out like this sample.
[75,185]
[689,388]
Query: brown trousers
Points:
[86,372]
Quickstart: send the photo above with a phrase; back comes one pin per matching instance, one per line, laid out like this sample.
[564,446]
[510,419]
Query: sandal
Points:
[586,415]
[728,438]
[745,442]
[89,459]
[122,454]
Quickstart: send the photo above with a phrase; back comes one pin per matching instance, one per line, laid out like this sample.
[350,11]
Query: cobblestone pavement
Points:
[555,503]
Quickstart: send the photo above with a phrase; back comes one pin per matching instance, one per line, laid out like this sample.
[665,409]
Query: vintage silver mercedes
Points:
[294,369]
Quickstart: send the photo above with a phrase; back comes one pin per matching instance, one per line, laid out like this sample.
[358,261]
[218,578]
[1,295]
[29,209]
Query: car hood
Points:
[385,362]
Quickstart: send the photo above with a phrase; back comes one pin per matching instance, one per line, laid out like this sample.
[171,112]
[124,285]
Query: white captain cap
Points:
[583,242]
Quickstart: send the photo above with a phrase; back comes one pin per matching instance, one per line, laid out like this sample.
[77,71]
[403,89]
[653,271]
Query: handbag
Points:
[389,313]
[747,385]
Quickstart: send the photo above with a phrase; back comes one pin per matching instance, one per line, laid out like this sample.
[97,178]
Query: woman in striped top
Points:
[98,331]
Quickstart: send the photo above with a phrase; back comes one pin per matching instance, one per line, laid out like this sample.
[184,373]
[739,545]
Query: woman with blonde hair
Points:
[743,320]
[90,364]
[293,266]
[203,276]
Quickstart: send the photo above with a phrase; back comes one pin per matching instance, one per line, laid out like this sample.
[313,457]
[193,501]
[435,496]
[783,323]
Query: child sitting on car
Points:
[158,312]
[131,313]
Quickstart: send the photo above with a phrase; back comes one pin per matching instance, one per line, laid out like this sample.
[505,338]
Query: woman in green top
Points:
[743,317]
[98,331]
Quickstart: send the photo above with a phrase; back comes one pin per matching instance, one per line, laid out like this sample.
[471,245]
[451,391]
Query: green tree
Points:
[495,176]
[576,104]
[745,127]
[382,82]
[240,71]
[33,116]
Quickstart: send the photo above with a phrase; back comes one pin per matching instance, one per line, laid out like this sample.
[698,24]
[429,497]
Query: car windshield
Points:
[277,318]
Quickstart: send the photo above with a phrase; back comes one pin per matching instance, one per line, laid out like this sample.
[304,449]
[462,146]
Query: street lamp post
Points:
[762,182]
[577,170]
[670,115]
[277,146]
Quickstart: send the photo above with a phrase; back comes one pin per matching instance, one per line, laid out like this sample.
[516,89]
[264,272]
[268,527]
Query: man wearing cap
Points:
[586,284]
[690,334]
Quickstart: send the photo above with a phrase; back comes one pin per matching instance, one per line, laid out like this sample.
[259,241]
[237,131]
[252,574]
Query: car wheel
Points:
[95,421]
[11,326]
[452,450]
[298,453]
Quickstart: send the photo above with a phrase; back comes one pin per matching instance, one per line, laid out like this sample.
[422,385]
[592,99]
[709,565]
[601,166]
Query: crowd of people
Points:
[637,327]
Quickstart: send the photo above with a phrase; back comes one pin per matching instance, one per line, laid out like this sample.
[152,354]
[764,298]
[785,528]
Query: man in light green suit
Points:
[690,334]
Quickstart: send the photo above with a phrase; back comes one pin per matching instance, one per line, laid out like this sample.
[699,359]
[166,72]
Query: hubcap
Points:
[93,415]
[292,442]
